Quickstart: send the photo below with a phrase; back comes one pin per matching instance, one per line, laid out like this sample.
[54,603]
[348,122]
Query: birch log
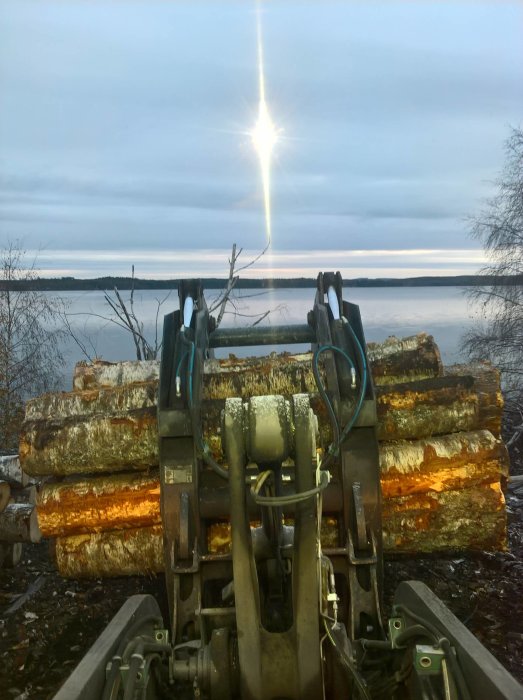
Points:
[451,463]
[11,471]
[469,519]
[487,386]
[100,374]
[404,360]
[395,360]
[443,463]
[5,494]
[98,504]
[61,437]
[19,523]
[100,430]
[115,553]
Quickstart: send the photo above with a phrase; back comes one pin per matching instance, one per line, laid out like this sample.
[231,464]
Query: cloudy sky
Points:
[124,133]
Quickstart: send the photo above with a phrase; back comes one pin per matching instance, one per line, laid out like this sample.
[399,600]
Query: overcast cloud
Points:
[124,132]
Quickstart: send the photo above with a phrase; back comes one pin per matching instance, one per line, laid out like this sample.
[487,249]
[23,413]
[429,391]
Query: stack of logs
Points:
[18,519]
[443,464]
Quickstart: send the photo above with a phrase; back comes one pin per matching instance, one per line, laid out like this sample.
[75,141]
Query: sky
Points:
[125,133]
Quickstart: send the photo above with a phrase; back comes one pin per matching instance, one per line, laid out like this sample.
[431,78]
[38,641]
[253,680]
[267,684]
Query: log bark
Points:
[102,374]
[98,504]
[404,360]
[19,523]
[116,553]
[469,519]
[424,469]
[443,463]
[464,520]
[393,361]
[487,385]
[469,399]
[11,471]
[91,431]
[5,494]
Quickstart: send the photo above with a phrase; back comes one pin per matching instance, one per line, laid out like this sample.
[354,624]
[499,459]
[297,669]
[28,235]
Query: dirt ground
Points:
[47,623]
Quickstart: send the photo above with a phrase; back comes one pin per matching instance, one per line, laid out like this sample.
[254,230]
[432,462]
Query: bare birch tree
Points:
[147,344]
[498,336]
[30,339]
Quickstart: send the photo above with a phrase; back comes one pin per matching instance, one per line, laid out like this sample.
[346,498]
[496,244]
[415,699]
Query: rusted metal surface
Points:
[115,553]
[468,519]
[98,504]
[102,374]
[443,463]
[406,359]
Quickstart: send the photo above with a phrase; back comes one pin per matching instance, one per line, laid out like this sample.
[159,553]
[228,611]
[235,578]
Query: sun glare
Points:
[264,137]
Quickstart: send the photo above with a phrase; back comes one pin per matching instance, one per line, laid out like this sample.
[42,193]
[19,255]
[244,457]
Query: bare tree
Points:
[30,337]
[228,301]
[147,346]
[498,336]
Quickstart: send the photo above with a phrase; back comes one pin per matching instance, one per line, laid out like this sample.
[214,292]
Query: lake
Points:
[441,311]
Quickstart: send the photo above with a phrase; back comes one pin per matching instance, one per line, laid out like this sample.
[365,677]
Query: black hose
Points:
[417,618]
[412,633]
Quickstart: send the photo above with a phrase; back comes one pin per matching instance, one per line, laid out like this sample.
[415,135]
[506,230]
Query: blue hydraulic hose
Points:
[333,449]
[363,390]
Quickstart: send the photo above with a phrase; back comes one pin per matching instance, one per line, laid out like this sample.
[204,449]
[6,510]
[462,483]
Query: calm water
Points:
[440,311]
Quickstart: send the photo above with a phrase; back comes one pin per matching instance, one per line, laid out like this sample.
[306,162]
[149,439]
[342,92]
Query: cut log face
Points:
[404,360]
[10,554]
[98,504]
[5,494]
[19,523]
[442,463]
[115,553]
[11,471]
[487,386]
[469,519]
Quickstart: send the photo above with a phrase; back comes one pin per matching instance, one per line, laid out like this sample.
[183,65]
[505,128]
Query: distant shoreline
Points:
[72,284]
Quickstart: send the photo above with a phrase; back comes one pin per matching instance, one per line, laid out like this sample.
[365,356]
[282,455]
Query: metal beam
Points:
[261,335]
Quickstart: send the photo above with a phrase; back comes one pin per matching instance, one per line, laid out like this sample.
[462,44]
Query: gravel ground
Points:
[48,623]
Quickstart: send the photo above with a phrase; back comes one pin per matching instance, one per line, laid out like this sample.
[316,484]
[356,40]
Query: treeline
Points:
[71,284]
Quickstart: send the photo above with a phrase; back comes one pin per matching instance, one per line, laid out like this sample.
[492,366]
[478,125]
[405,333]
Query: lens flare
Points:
[264,136]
